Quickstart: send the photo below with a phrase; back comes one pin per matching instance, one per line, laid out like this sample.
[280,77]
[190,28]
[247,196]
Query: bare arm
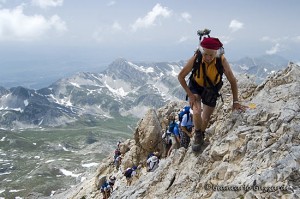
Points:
[181,78]
[234,88]
[178,139]
[229,75]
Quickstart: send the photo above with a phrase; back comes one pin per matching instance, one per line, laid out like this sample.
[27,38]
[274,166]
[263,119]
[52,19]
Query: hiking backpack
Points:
[150,155]
[153,166]
[166,137]
[172,126]
[185,110]
[127,173]
[101,180]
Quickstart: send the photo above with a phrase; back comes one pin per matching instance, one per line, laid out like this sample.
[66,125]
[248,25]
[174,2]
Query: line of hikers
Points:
[178,133]
[179,130]
[118,156]
[106,185]
[152,163]
[206,68]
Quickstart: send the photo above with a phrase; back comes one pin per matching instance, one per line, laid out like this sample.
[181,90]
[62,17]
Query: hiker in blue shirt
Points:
[175,138]
[186,129]
[167,134]
[105,190]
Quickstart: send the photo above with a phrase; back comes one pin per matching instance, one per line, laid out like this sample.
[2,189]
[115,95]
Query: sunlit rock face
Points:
[254,154]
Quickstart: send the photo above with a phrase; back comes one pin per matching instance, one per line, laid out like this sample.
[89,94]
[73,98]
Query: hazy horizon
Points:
[61,37]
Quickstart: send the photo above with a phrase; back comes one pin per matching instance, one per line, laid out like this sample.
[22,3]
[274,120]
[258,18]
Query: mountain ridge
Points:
[254,154]
[123,89]
[119,90]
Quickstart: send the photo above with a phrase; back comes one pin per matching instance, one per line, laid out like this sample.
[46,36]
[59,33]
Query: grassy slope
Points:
[34,157]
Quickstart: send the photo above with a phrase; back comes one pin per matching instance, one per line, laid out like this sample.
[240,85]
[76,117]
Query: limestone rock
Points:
[254,154]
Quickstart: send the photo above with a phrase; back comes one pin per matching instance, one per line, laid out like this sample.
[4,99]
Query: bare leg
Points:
[207,112]
[200,123]
[171,148]
[197,120]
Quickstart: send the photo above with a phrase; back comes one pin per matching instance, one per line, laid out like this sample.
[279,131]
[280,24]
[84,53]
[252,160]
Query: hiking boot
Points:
[198,141]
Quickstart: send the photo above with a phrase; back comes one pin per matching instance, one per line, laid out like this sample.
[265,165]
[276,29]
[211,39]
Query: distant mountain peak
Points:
[121,89]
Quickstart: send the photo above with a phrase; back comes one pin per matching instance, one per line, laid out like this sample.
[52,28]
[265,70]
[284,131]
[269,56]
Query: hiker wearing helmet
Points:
[207,65]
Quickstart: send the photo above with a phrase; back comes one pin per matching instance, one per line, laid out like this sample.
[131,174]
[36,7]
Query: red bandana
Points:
[211,43]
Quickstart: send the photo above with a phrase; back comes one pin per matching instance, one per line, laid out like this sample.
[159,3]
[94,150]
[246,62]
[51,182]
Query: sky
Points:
[58,35]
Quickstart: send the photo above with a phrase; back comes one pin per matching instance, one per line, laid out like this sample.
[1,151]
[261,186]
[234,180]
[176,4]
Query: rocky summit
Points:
[251,154]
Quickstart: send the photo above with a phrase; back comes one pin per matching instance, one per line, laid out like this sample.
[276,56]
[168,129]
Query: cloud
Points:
[47,3]
[182,39]
[266,38]
[116,27]
[273,40]
[111,3]
[105,32]
[16,26]
[235,25]
[297,39]
[225,39]
[186,16]
[151,17]
[275,49]
[279,43]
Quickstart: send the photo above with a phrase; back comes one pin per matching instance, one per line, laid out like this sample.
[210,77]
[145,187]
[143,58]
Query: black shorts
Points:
[208,96]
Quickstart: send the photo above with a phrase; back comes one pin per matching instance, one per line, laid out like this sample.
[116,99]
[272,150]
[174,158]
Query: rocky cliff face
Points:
[255,154]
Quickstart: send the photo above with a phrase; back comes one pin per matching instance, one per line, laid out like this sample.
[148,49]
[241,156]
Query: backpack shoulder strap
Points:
[153,165]
[187,116]
[219,67]
[196,65]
